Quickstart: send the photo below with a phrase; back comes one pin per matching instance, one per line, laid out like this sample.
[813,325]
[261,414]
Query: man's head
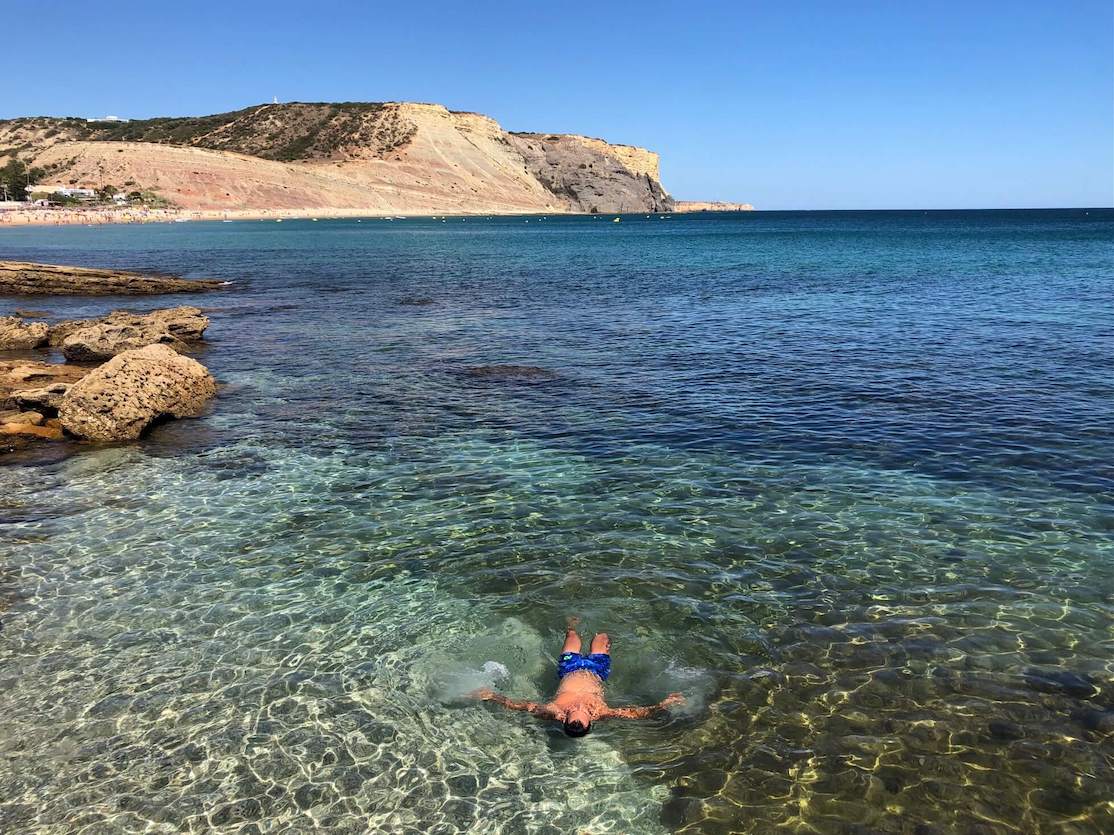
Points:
[578,722]
[574,727]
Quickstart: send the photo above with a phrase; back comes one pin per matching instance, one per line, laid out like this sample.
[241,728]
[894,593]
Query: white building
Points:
[65,191]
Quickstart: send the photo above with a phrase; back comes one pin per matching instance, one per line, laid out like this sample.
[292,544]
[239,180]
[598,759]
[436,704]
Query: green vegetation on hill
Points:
[283,132]
[165,130]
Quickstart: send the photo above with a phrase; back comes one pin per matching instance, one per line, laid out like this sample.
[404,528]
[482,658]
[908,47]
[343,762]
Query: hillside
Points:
[382,157]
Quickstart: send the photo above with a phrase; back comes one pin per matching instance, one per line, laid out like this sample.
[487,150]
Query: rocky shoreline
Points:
[122,372]
[23,278]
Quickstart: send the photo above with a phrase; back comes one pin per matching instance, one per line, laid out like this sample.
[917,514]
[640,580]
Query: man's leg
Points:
[572,640]
[601,644]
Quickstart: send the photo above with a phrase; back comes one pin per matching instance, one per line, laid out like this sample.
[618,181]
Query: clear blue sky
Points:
[837,104]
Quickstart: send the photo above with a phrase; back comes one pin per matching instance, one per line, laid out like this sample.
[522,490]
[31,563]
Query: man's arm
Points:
[644,712]
[487,695]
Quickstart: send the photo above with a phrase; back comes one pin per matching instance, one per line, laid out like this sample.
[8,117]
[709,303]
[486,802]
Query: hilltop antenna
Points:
[274,99]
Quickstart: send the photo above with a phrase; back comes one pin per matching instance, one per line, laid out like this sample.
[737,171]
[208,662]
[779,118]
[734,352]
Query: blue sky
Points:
[785,105]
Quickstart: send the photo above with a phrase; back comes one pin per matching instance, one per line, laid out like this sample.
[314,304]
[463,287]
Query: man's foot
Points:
[601,644]
[572,622]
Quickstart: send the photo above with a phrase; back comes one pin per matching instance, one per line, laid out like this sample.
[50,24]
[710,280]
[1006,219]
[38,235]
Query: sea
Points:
[843,479]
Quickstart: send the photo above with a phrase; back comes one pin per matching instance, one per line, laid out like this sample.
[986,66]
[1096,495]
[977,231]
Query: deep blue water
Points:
[844,478]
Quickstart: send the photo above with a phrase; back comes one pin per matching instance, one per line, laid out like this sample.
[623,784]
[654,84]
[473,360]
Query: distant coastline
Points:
[107,215]
[710,206]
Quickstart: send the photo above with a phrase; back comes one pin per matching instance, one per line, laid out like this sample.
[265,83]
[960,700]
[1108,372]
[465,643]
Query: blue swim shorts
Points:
[598,663]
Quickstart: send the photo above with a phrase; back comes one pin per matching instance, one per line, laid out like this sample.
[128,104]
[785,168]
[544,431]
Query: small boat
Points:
[617,220]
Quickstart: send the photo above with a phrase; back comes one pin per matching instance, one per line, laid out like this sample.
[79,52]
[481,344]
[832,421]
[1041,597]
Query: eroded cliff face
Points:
[592,175]
[382,157]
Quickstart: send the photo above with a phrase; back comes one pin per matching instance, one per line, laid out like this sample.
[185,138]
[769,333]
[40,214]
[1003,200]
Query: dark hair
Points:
[577,728]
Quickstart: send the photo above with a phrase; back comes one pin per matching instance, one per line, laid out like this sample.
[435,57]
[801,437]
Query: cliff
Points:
[710,206]
[380,157]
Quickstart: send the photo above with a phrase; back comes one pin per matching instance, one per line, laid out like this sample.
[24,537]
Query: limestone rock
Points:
[26,385]
[46,399]
[25,278]
[33,418]
[711,206]
[18,335]
[119,400]
[122,331]
[593,175]
[50,431]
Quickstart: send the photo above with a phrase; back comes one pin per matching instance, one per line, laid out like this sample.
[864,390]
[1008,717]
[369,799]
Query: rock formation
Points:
[710,206]
[94,341]
[30,393]
[144,380]
[119,400]
[35,385]
[592,175]
[25,278]
[18,335]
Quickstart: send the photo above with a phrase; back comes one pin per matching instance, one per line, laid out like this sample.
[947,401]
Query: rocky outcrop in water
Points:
[711,206]
[119,400]
[31,385]
[509,373]
[30,393]
[26,278]
[102,339]
[30,424]
[18,335]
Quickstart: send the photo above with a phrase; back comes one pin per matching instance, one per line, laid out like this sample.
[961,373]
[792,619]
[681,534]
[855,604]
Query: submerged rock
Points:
[509,373]
[97,340]
[1007,731]
[18,335]
[1096,720]
[26,278]
[1060,681]
[122,398]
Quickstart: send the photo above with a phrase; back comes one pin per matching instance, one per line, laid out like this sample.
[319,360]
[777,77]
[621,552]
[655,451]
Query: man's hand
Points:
[673,699]
[484,694]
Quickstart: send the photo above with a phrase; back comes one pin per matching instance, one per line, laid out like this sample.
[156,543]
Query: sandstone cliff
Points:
[382,158]
[710,206]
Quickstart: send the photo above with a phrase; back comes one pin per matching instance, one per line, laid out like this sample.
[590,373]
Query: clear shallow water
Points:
[845,479]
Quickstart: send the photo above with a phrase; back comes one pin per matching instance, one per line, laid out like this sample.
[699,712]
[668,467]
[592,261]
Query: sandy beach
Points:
[103,215]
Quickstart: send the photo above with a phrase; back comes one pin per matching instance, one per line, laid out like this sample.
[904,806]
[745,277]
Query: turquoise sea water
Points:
[845,479]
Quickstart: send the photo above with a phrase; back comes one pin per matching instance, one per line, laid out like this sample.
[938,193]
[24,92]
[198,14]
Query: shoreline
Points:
[99,217]
[14,218]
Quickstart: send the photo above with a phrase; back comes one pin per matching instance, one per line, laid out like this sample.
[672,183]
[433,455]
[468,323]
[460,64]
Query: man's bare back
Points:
[579,700]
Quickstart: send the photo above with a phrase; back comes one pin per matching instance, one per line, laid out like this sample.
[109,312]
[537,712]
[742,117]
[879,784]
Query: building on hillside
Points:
[65,191]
